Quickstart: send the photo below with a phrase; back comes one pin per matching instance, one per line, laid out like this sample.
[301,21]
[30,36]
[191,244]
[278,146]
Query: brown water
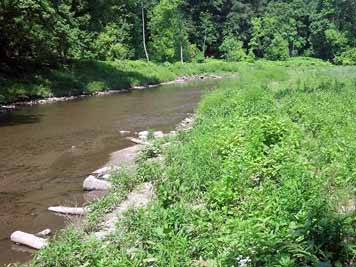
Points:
[47,150]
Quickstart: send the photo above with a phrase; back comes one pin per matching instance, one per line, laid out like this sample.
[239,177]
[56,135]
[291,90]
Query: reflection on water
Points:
[46,151]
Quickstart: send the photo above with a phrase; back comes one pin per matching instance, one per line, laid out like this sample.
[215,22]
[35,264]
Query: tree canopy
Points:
[57,31]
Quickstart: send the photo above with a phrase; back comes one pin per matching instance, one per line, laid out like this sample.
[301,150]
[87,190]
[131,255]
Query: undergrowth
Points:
[265,178]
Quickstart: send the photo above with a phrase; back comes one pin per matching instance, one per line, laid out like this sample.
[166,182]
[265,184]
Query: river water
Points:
[46,151]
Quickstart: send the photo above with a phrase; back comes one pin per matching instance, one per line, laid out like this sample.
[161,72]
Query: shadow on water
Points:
[12,119]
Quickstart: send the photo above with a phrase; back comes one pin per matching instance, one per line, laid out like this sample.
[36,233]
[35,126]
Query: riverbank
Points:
[55,146]
[50,100]
[264,178]
[85,78]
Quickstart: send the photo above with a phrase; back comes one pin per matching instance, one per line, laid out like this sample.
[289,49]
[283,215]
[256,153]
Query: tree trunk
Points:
[68,210]
[144,33]
[181,53]
[29,240]
[204,42]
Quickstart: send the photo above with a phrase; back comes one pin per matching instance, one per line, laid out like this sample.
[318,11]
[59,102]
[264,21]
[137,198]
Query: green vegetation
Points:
[47,44]
[265,178]
[88,77]
[56,31]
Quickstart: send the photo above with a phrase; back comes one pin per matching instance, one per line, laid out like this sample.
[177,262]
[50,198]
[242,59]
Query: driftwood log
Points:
[68,210]
[138,141]
[29,240]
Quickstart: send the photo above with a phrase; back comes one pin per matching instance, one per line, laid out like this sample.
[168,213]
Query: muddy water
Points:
[47,150]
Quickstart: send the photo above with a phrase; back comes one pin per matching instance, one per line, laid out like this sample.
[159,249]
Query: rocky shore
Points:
[98,184]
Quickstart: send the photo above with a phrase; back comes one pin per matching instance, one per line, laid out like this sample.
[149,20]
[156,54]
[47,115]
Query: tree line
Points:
[55,32]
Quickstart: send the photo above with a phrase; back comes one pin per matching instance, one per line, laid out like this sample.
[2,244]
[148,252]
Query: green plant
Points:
[278,49]
[232,49]
[348,57]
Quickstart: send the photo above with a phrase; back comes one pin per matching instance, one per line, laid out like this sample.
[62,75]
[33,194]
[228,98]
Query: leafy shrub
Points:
[109,44]
[194,54]
[119,51]
[348,57]
[232,49]
[96,86]
[278,49]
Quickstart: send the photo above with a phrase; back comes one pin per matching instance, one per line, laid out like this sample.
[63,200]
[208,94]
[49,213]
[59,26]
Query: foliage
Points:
[265,178]
[348,57]
[52,33]
[232,49]
[169,34]
[110,45]
[278,49]
[90,77]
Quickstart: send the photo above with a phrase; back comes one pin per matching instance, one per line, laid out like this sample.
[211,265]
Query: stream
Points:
[46,151]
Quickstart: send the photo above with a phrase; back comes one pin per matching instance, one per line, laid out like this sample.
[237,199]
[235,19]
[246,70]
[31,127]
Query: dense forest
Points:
[53,32]
[263,173]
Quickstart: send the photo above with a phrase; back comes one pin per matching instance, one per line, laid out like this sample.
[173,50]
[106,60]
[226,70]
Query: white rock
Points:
[92,183]
[124,132]
[187,120]
[106,176]
[28,240]
[143,135]
[68,210]
[158,134]
[102,171]
[44,233]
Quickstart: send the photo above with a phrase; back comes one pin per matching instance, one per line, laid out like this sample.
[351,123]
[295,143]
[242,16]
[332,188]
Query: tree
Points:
[208,31]
[144,31]
[263,32]
[168,31]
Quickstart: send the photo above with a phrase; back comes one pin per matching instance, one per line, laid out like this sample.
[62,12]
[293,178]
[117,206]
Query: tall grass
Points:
[266,178]
[88,77]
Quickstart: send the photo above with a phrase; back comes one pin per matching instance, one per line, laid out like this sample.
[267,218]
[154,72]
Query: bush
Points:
[232,49]
[278,49]
[347,58]
[194,54]
[119,51]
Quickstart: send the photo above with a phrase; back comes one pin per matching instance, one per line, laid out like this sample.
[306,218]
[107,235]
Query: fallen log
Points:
[138,141]
[91,183]
[68,210]
[29,240]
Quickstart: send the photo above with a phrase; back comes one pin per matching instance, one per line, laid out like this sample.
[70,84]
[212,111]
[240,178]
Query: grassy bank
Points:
[88,77]
[265,178]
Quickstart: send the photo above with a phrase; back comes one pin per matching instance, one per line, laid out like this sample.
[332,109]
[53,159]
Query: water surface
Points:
[46,151]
